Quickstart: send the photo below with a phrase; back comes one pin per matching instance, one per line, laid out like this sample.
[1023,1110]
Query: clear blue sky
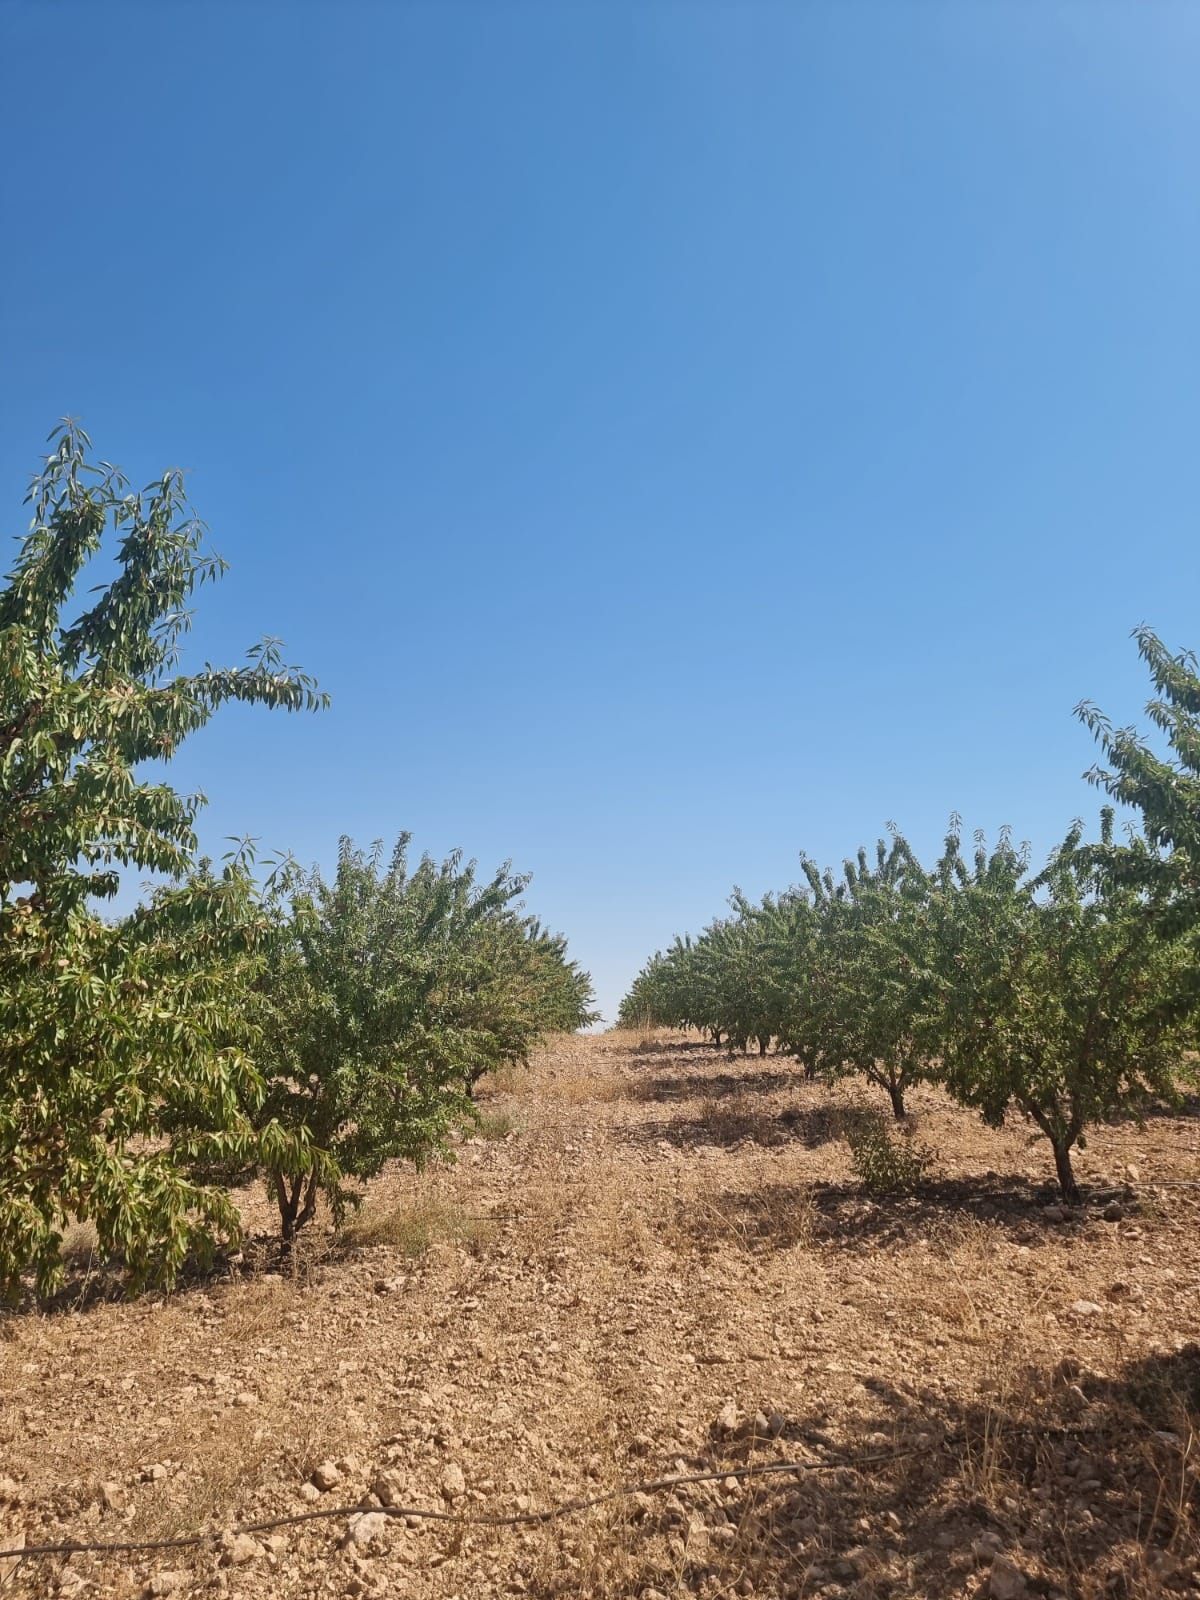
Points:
[677,435]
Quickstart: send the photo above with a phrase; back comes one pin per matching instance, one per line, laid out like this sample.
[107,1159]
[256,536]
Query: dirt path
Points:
[653,1246]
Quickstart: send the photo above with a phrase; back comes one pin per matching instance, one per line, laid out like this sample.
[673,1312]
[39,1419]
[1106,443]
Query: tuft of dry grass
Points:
[496,1125]
[506,1081]
[414,1227]
[245,1451]
[81,1247]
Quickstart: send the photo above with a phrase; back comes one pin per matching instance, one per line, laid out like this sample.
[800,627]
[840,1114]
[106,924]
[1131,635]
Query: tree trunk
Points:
[310,1203]
[762,1045]
[896,1094]
[1066,1178]
[287,1208]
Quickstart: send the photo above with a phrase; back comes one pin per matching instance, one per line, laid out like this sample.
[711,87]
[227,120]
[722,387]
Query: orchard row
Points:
[296,1030]
[1068,993]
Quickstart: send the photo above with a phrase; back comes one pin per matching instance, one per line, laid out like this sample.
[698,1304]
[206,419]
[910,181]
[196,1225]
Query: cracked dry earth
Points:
[657,1261]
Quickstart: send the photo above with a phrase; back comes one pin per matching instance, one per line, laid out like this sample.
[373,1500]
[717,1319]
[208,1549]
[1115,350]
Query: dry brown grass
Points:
[414,1228]
[501,1123]
[81,1247]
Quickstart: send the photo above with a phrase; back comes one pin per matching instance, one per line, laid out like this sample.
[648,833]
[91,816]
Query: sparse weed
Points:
[414,1229]
[80,1246]
[496,1125]
[884,1162]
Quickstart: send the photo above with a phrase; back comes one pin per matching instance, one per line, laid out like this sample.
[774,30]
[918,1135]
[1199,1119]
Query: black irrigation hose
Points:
[517,1519]
[527,1518]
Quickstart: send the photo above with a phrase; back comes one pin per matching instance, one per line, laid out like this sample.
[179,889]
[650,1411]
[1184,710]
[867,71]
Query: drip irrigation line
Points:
[517,1519]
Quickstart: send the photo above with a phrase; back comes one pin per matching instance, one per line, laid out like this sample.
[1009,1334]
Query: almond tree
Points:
[1060,995]
[388,993]
[1164,788]
[519,988]
[865,995]
[118,1083]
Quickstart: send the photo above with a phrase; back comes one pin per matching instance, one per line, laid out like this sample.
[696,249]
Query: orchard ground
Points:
[652,1259]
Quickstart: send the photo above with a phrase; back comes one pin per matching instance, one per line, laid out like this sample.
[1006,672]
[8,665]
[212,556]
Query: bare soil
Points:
[658,1260]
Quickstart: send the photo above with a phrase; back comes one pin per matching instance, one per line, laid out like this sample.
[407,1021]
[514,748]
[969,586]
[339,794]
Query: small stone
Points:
[238,1548]
[309,1492]
[1086,1308]
[1132,1173]
[327,1476]
[390,1285]
[364,1528]
[350,1466]
[276,1543]
[1054,1213]
[1006,1581]
[1113,1212]
[727,1420]
[154,1474]
[112,1496]
[454,1483]
[986,1548]
[166,1583]
[10,1564]
[245,1399]
[776,1423]
[10,1489]
[389,1489]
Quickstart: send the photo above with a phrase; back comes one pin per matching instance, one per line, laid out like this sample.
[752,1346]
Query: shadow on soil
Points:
[837,1216]
[94,1282]
[724,1125]
[1083,1483]
[668,1086]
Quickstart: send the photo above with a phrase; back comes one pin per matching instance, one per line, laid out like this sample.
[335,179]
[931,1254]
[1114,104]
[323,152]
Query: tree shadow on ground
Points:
[1187,1108]
[676,1086]
[767,1216]
[1073,1484]
[95,1281]
[675,1047]
[1083,1482]
[724,1126]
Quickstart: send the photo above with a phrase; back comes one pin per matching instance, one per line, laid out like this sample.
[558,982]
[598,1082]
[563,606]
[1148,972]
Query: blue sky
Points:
[677,435]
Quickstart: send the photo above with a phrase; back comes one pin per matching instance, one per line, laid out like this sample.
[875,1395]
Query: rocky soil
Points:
[653,1260]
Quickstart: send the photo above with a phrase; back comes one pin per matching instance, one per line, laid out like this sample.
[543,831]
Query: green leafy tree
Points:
[1164,788]
[865,996]
[740,980]
[117,1080]
[671,991]
[519,987]
[389,992]
[1060,995]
